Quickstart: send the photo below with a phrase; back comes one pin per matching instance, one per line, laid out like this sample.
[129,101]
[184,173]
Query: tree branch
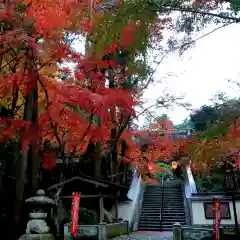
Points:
[191,10]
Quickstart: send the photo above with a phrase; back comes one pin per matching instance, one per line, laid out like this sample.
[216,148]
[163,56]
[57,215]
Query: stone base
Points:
[46,236]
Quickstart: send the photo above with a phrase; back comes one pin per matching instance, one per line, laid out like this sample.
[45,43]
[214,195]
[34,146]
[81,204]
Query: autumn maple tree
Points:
[38,106]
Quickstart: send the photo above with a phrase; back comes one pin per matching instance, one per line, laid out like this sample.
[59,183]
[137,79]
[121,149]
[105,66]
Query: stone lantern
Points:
[37,228]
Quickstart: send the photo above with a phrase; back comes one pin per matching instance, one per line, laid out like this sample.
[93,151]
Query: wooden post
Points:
[101,210]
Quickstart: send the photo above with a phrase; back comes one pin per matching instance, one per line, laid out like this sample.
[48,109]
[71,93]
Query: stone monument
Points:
[37,228]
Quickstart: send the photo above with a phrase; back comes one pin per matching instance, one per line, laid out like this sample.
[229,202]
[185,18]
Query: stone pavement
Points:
[146,236]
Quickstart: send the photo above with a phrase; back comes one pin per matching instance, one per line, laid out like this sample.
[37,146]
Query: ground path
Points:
[146,236]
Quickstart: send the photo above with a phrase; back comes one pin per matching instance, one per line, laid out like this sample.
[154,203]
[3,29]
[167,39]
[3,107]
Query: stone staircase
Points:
[149,219]
[173,205]
[152,217]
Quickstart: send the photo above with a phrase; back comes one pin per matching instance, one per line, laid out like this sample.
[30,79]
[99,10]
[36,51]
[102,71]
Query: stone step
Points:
[157,214]
[180,198]
[172,201]
[151,195]
[173,219]
[150,225]
[172,205]
[150,209]
[153,229]
[166,210]
[152,217]
[149,219]
[157,204]
[153,191]
[176,207]
[146,211]
[152,203]
[151,206]
[170,220]
[172,195]
[170,214]
[152,199]
[154,222]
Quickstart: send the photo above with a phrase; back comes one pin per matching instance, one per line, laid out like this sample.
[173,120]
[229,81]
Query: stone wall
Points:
[129,211]
[194,201]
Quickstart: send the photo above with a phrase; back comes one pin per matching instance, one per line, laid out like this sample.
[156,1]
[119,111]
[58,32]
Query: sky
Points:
[200,73]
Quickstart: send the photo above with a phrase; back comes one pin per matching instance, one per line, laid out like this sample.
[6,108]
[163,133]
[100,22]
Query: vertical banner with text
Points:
[217,218]
[75,212]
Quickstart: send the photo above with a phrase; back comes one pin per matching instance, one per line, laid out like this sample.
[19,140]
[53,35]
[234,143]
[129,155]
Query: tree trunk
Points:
[97,161]
[30,113]
[35,145]
[114,165]
[22,164]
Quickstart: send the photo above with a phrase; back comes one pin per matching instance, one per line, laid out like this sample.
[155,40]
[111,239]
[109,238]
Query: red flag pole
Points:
[217,218]
[75,213]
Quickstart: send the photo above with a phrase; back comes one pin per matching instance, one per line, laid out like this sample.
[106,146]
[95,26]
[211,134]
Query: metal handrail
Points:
[161,207]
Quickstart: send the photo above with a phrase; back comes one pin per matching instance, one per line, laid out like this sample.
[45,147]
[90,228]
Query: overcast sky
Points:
[201,72]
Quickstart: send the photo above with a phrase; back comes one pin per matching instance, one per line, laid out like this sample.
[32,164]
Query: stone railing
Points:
[129,211]
[137,189]
[116,229]
[189,183]
[189,188]
[99,232]
[191,233]
[201,232]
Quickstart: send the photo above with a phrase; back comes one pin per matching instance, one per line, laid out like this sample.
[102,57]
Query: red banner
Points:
[75,213]
[217,217]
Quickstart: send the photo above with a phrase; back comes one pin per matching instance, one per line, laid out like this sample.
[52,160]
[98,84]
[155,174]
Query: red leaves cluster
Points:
[68,111]
[49,160]
[80,108]
[158,148]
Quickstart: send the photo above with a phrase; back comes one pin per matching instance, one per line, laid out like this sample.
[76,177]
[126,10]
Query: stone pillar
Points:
[102,233]
[101,212]
[177,231]
[67,234]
